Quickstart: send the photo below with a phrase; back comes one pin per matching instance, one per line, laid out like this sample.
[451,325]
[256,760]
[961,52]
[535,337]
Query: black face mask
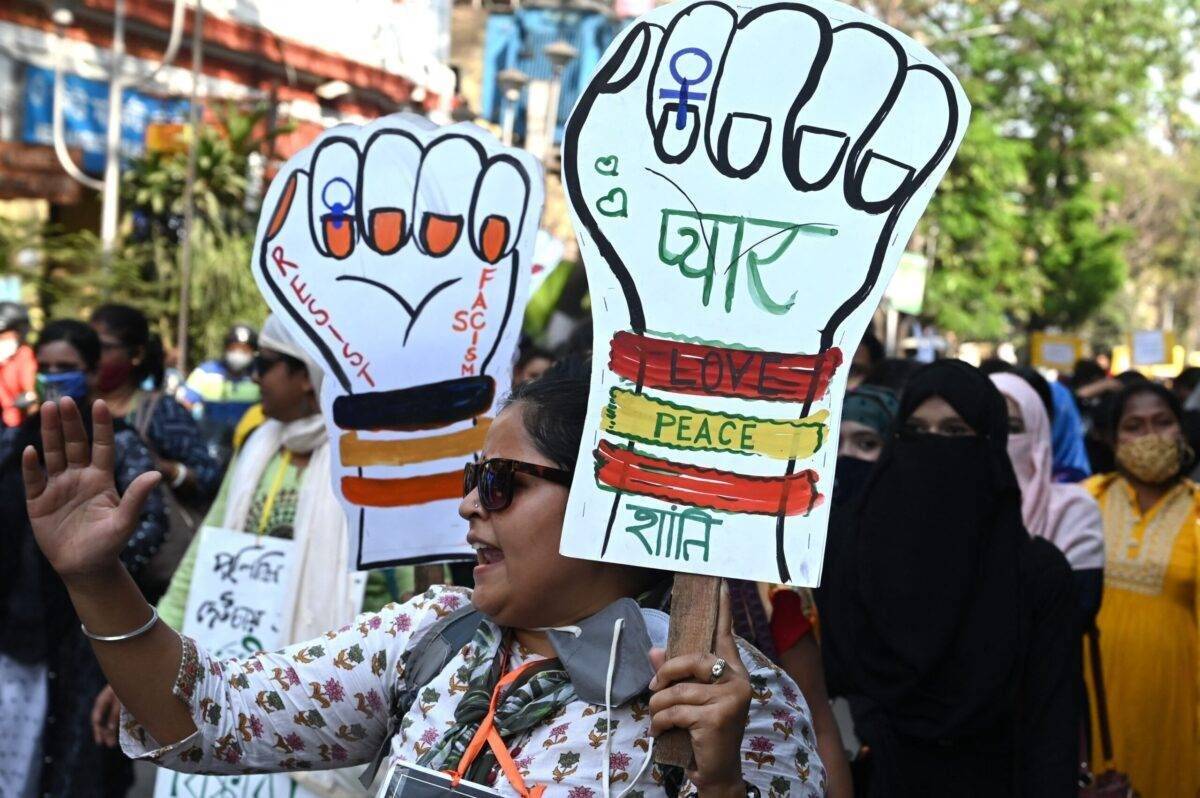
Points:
[849,478]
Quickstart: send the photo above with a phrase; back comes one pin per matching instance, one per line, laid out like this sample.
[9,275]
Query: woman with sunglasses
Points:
[557,689]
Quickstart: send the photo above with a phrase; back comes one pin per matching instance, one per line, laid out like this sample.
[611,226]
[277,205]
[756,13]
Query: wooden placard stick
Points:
[694,601]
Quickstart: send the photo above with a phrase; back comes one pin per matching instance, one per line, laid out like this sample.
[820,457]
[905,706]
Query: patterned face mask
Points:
[1153,459]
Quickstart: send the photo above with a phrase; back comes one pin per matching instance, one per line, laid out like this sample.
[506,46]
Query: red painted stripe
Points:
[366,492]
[632,472]
[705,370]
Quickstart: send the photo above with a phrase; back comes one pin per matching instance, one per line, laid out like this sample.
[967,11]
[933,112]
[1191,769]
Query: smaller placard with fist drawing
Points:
[771,163]
[400,254]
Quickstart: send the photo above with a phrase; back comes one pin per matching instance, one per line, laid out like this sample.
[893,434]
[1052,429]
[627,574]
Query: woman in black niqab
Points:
[946,625]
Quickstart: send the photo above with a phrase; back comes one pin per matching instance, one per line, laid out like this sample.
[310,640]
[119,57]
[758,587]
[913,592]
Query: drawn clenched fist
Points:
[772,161]
[399,253]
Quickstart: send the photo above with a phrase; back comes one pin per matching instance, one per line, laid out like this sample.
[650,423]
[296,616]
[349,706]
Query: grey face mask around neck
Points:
[586,655]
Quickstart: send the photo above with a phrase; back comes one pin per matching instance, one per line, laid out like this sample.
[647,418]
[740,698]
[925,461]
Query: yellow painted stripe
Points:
[643,418]
[359,452]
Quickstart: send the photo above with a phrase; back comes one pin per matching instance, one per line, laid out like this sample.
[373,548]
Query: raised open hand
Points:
[79,520]
[772,162]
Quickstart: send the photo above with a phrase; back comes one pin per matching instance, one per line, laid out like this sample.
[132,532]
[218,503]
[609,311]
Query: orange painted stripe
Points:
[367,492]
[359,452]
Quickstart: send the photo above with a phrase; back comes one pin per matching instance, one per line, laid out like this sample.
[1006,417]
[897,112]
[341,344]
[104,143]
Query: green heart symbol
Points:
[607,166]
[614,203]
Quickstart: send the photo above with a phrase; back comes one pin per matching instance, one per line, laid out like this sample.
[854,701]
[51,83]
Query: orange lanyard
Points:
[487,733]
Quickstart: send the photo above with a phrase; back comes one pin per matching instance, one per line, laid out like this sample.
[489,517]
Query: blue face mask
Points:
[52,387]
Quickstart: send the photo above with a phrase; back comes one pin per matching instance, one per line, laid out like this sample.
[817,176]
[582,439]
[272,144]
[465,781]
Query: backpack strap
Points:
[424,661]
[144,415]
[1093,643]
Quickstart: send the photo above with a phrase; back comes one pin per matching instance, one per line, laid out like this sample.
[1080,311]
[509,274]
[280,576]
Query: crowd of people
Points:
[1008,604]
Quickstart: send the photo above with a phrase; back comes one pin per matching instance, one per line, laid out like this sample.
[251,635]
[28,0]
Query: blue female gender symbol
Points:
[337,209]
[682,93]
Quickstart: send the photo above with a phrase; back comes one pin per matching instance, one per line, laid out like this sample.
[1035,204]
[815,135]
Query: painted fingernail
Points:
[339,234]
[440,233]
[493,238]
[387,229]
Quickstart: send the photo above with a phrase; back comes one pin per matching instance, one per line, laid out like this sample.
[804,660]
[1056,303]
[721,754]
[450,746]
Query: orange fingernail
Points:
[282,208]
[493,238]
[387,229]
[440,233]
[339,234]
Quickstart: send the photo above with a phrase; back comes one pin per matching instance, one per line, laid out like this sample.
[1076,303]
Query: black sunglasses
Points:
[496,482]
[261,363]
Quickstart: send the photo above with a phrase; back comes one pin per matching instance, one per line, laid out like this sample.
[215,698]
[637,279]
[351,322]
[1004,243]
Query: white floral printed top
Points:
[322,704]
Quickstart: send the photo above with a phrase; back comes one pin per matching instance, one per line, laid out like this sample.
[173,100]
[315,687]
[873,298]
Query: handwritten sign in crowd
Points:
[236,607]
[738,233]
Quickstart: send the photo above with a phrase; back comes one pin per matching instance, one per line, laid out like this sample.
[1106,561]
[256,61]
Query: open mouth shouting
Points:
[486,556]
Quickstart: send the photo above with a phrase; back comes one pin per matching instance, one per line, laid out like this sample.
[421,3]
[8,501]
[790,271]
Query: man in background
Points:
[219,392]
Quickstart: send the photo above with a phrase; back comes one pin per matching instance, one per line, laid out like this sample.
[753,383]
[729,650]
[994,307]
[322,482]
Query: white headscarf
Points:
[1065,515]
[304,434]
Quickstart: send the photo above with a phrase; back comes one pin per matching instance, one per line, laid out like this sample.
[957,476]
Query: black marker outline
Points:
[852,162]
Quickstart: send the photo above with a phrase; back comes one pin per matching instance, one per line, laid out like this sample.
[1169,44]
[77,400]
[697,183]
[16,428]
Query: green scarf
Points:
[538,695]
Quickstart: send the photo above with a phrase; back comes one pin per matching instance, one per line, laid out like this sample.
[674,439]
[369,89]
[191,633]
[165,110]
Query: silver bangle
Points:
[138,632]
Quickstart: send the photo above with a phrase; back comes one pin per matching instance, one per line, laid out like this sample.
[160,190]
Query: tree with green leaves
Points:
[1020,233]
[70,278]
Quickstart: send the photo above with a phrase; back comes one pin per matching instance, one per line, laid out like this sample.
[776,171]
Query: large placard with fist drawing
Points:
[399,254]
[772,162]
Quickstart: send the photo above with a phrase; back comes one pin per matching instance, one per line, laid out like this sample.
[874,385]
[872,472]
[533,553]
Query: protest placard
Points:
[771,163]
[1151,347]
[237,605]
[1053,351]
[399,254]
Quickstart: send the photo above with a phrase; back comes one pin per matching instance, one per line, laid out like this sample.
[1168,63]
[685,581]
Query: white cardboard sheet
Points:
[744,178]
[399,254]
[236,607]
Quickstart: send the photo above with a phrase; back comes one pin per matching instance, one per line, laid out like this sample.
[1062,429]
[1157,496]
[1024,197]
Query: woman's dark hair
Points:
[130,326]
[1186,381]
[892,373]
[528,351]
[554,409]
[1137,389]
[77,335]
[875,351]
[1131,377]
[996,365]
[1086,372]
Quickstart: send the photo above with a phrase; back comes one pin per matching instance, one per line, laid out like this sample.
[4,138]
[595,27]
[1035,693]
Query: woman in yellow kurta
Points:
[1148,619]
